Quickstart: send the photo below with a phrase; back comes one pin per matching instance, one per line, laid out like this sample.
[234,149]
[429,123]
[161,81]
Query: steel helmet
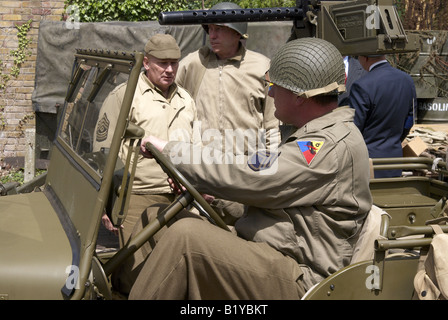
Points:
[240,27]
[308,67]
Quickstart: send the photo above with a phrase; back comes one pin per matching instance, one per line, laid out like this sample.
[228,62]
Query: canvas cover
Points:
[58,41]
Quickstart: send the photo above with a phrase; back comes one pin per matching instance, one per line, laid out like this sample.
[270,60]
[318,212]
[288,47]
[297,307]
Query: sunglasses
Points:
[269,84]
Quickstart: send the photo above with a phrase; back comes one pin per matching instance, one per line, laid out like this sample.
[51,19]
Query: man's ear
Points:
[300,101]
[146,62]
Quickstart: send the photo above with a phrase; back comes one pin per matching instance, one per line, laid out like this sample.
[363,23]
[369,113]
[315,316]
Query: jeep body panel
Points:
[48,238]
[31,232]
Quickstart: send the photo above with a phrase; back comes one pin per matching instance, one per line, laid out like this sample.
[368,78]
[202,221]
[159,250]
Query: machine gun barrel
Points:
[349,25]
[230,15]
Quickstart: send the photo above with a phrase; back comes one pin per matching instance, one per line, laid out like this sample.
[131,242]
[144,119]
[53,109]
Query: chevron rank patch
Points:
[102,129]
[310,149]
[262,159]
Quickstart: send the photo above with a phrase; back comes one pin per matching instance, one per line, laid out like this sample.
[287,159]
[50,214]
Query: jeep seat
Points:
[363,279]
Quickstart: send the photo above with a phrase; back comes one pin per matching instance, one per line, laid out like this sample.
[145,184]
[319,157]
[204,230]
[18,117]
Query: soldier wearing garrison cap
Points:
[162,46]
[305,204]
[161,108]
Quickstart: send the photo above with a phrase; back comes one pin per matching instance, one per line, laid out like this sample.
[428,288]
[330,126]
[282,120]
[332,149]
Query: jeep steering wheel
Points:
[201,204]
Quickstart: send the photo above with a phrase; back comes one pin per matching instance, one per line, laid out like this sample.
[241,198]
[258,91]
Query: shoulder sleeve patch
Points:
[262,159]
[309,149]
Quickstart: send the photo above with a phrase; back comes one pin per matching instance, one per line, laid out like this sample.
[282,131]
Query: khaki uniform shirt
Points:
[168,119]
[229,94]
[310,200]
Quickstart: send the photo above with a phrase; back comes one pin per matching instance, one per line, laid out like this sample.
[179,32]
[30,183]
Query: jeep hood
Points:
[35,255]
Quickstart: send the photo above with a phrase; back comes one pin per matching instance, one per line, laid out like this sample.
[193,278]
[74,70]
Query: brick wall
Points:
[16,112]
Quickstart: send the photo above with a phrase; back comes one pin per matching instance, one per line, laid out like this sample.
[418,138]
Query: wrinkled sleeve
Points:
[271,124]
[412,111]
[359,100]
[181,73]
[288,179]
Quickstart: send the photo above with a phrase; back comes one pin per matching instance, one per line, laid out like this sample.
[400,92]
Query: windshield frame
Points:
[107,64]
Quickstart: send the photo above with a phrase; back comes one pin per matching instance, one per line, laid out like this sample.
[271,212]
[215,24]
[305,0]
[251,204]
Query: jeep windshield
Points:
[92,82]
[49,237]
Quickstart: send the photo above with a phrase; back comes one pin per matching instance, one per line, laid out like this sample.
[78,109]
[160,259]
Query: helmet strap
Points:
[327,89]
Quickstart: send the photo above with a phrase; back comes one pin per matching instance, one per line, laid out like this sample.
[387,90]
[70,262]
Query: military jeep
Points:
[48,237]
[49,227]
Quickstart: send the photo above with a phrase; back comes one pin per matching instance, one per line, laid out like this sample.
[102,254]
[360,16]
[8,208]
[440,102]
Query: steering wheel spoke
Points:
[199,202]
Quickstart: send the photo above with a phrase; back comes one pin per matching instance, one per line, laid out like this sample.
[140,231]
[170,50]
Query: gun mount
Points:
[358,27]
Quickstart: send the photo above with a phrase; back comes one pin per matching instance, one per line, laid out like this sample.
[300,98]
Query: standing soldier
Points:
[228,83]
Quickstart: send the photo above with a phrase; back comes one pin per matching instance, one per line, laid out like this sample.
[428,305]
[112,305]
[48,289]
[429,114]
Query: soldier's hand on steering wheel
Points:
[159,144]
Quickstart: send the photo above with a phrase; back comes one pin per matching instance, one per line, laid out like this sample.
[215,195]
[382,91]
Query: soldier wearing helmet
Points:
[228,84]
[239,27]
[303,213]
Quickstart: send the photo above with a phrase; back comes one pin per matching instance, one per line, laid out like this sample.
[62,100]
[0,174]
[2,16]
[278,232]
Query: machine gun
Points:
[358,27]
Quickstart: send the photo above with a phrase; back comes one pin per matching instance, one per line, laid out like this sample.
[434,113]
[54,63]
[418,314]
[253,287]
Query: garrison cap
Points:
[162,46]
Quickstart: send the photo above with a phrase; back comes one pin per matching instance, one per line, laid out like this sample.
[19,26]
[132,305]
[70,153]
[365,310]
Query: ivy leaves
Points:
[146,10]
[19,54]
[22,51]
[125,10]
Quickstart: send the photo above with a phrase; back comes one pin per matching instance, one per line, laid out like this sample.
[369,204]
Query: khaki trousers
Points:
[124,277]
[137,205]
[196,260]
[136,219]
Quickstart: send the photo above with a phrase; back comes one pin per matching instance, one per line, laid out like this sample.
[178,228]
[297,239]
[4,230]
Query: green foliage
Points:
[124,10]
[2,118]
[4,77]
[18,175]
[19,54]
[13,176]
[145,10]
[22,52]
[401,8]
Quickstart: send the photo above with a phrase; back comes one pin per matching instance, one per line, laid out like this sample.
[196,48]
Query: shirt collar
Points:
[346,64]
[340,114]
[376,64]
[237,57]
[148,85]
